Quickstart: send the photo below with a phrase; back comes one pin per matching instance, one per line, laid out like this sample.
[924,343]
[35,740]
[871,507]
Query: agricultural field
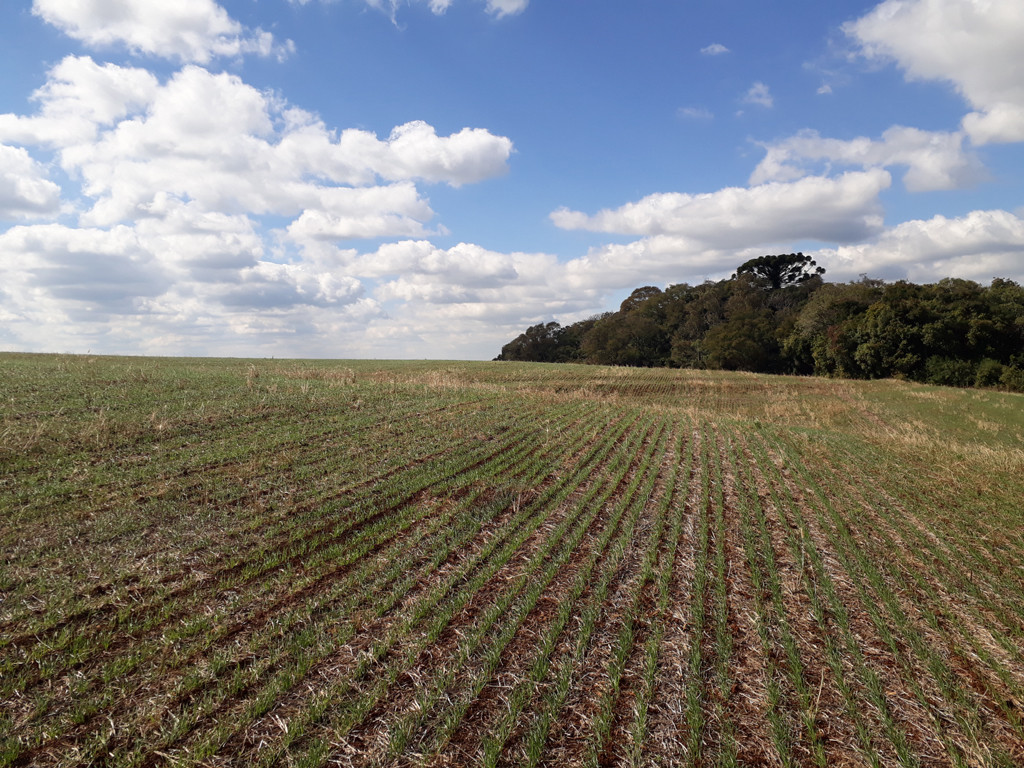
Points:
[261,563]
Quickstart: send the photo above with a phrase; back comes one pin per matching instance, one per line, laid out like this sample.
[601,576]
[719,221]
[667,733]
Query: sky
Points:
[426,178]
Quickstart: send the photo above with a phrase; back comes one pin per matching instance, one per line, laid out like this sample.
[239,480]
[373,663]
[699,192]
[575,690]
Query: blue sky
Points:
[426,178]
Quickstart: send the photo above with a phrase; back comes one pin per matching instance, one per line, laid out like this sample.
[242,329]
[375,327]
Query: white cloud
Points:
[696,237]
[126,290]
[464,300]
[216,142]
[267,285]
[842,209]
[464,264]
[79,97]
[411,151]
[345,214]
[695,113]
[415,151]
[199,246]
[935,160]
[660,259]
[760,95]
[406,299]
[172,253]
[214,230]
[426,270]
[69,272]
[977,246]
[973,44]
[1000,123]
[497,8]
[506,7]
[715,49]
[186,30]
[25,192]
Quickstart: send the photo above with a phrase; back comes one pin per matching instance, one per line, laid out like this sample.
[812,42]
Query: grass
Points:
[242,562]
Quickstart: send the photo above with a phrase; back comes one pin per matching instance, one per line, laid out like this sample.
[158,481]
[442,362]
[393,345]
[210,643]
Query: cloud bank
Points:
[25,190]
[192,213]
[834,210]
[167,236]
[974,247]
[934,160]
[186,30]
[973,45]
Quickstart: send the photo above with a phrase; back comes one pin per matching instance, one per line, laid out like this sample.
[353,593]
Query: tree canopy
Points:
[777,315]
[781,270]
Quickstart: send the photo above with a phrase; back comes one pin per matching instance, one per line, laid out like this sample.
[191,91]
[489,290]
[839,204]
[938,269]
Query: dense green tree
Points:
[775,314]
[539,343]
[571,338]
[639,298]
[821,339]
[631,339]
[890,335]
[745,342]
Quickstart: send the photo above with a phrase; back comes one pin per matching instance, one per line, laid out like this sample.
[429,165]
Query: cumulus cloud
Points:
[79,97]
[973,45]
[465,263]
[360,213]
[75,271]
[415,151]
[218,229]
[186,30]
[506,7]
[464,273]
[470,281]
[25,192]
[1000,123]
[214,141]
[661,259]
[760,95]
[267,285]
[127,289]
[695,237]
[715,49]
[838,209]
[465,299]
[975,247]
[471,300]
[935,160]
[209,211]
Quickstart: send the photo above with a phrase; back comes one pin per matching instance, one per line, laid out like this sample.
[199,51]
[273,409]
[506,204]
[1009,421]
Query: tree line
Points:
[776,314]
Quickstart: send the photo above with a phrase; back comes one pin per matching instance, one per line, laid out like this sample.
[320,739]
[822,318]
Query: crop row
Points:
[485,565]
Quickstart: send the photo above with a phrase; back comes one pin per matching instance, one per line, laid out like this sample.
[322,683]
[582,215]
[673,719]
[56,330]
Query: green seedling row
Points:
[367,563]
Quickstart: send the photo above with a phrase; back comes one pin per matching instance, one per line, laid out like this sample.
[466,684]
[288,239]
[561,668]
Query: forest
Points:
[776,314]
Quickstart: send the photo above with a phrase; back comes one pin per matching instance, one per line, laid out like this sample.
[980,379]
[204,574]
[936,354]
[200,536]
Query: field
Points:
[257,563]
